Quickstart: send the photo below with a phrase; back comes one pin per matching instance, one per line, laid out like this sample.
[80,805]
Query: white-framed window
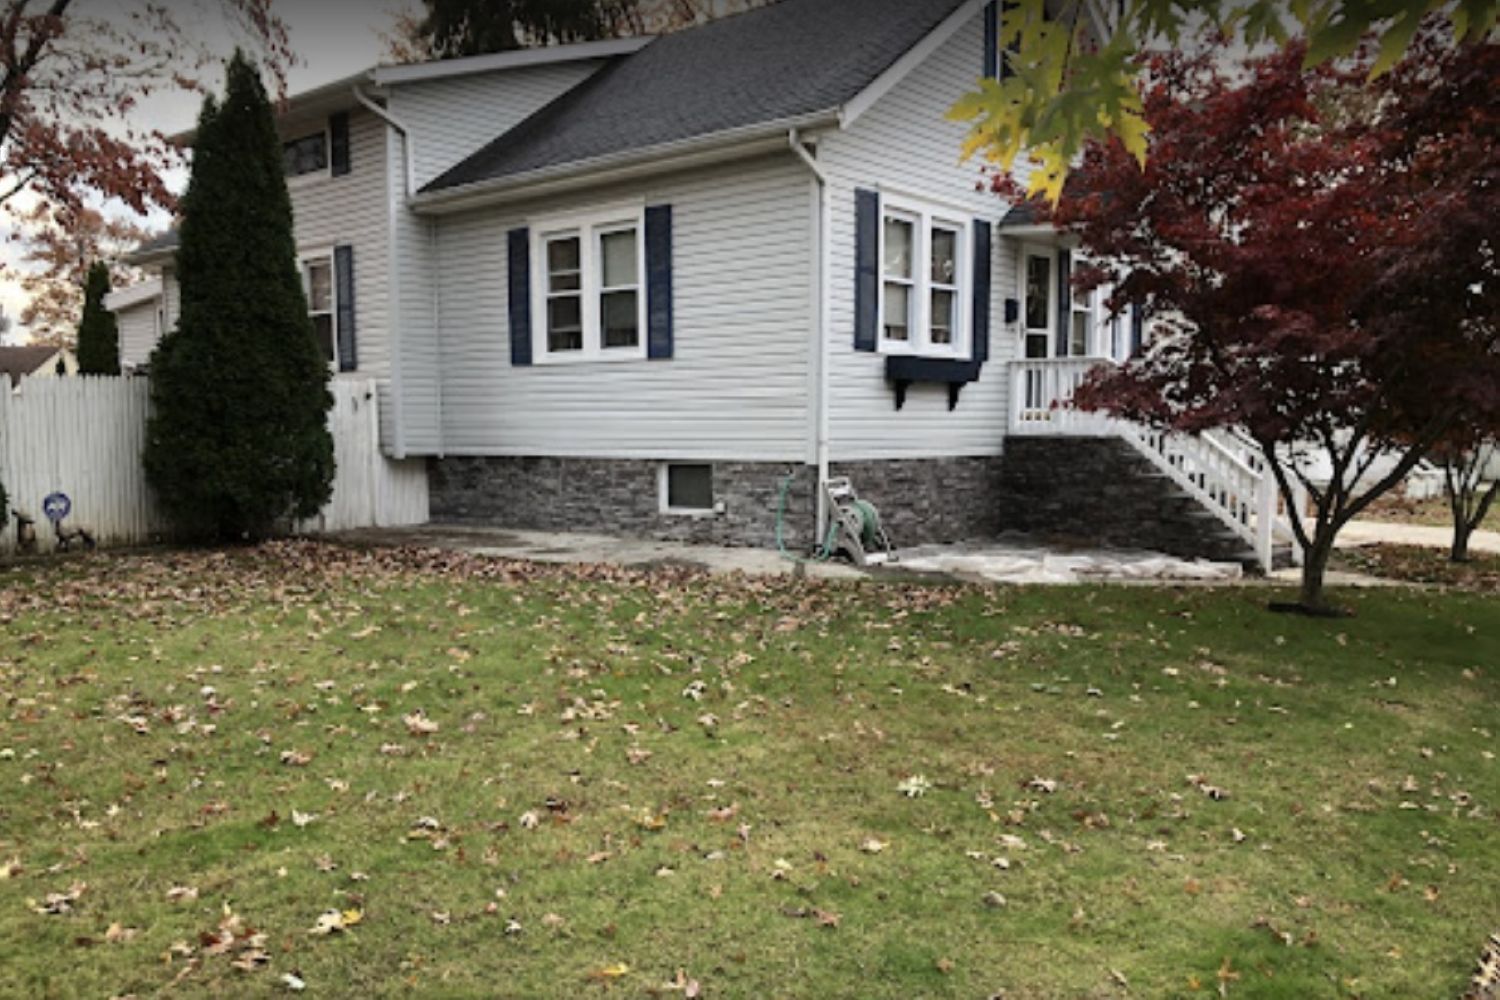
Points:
[322,303]
[588,288]
[687,488]
[924,283]
[306,156]
[1081,325]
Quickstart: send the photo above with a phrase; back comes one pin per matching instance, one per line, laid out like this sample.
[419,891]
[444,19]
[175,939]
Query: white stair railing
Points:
[1226,478]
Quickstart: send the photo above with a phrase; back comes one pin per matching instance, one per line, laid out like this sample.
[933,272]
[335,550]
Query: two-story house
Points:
[633,286]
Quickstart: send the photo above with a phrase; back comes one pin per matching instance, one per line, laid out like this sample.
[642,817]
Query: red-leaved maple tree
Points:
[58,255]
[71,73]
[1291,236]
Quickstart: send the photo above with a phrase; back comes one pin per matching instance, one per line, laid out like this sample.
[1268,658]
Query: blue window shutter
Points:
[1137,329]
[992,39]
[866,268]
[343,277]
[519,254]
[981,306]
[338,143]
[1064,300]
[659,282]
[1006,71]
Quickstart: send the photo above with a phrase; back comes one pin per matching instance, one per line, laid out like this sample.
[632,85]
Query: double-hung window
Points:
[588,293]
[317,283]
[923,299]
[306,156]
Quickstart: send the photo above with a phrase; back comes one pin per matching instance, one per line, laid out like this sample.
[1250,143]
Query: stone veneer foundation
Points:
[921,501]
[1101,491]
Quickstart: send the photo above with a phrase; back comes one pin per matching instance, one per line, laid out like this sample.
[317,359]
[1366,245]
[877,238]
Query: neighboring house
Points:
[39,361]
[140,317]
[634,285]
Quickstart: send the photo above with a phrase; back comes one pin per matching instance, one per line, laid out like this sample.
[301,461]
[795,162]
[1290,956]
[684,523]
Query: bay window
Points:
[923,302]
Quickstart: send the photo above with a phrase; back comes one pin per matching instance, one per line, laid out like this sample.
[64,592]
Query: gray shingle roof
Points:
[787,60]
[18,361]
[159,244]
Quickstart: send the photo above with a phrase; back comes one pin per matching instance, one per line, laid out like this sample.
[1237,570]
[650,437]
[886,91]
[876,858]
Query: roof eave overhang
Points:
[1039,232]
[705,150]
[383,76]
[147,258]
[337,95]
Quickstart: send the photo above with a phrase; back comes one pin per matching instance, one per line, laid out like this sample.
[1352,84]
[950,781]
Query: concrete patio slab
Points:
[1017,559]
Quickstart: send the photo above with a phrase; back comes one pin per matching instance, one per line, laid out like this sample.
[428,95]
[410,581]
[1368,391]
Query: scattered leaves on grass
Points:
[418,724]
[59,903]
[915,786]
[331,922]
[609,973]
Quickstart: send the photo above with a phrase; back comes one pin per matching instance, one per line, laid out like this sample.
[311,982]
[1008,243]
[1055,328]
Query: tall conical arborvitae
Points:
[238,442]
[98,334]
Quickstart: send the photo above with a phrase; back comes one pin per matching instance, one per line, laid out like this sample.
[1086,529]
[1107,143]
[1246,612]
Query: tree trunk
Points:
[1314,568]
[1461,532]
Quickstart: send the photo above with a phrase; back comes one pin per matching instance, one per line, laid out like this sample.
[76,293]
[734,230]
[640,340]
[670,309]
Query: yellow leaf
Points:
[352,917]
[616,971]
[1132,130]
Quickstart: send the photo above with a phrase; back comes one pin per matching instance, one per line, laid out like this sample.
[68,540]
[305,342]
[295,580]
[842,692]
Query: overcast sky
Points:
[332,38]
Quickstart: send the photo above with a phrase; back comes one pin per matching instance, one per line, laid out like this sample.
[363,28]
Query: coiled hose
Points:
[824,552]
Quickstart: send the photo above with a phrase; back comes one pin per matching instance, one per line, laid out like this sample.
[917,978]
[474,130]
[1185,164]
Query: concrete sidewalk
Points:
[1358,533]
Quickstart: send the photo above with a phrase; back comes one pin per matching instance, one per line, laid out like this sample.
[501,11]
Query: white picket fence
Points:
[83,437]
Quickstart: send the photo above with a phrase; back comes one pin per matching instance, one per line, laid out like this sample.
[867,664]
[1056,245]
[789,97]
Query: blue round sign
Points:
[57,506]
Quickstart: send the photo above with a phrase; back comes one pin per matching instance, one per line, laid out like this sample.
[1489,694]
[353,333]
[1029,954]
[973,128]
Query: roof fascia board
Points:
[146,258]
[335,94]
[699,151]
[144,291]
[913,57]
[383,76]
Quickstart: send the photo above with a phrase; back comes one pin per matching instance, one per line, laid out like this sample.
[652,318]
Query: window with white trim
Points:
[588,293]
[317,283]
[1081,328]
[923,281]
[687,488]
[306,155]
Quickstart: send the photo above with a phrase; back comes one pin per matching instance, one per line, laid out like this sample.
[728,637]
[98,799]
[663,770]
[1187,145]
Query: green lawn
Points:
[542,782]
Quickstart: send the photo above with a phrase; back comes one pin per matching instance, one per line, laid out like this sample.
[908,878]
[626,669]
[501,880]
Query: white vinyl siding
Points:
[736,387]
[904,147]
[139,327]
[453,117]
[330,211]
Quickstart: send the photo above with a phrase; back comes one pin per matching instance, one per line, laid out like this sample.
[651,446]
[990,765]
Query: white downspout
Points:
[393,323]
[385,116]
[820,395]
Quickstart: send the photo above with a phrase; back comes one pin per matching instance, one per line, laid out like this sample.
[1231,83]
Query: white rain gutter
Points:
[822,360]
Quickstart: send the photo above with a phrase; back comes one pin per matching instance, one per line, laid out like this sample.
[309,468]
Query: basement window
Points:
[687,489]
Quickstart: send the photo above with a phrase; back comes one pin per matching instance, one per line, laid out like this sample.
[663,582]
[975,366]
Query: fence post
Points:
[1265,521]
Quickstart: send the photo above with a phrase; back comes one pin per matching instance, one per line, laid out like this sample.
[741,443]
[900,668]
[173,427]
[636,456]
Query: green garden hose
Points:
[869,521]
[824,552]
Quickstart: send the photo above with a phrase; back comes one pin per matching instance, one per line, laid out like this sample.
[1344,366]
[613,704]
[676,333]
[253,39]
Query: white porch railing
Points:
[1224,472]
